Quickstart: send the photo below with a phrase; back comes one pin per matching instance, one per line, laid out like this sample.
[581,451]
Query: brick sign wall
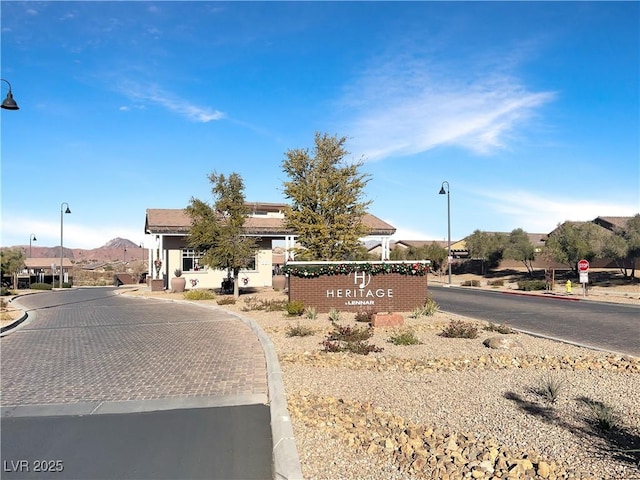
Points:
[357,291]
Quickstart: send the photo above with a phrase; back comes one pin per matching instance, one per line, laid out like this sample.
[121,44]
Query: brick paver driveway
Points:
[94,345]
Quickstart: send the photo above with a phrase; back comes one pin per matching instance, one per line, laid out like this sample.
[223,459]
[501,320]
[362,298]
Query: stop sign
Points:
[583,266]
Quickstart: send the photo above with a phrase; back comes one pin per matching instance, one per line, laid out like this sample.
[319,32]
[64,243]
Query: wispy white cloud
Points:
[155,95]
[408,233]
[404,107]
[540,214]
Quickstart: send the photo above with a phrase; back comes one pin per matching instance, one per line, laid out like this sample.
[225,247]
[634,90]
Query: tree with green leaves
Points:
[574,241]
[624,246]
[327,200]
[487,247]
[519,247]
[433,252]
[11,262]
[218,229]
[631,233]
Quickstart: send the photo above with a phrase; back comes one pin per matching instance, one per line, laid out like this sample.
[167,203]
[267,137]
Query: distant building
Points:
[266,222]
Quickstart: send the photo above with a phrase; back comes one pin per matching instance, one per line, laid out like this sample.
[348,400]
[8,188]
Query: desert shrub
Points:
[345,333]
[549,387]
[362,348]
[470,283]
[299,331]
[311,313]
[460,329]
[4,291]
[496,283]
[334,315]
[364,316]
[275,305]
[603,416]
[199,294]
[416,312]
[253,303]
[530,285]
[226,301]
[406,337]
[41,286]
[502,328]
[295,308]
[350,339]
[430,307]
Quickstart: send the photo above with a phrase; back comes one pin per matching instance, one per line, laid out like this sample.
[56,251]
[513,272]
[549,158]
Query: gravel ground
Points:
[341,404]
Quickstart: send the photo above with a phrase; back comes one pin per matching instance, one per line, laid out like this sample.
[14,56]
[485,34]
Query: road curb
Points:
[286,462]
[13,325]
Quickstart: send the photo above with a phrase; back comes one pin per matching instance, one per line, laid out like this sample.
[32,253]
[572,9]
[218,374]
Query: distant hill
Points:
[116,250]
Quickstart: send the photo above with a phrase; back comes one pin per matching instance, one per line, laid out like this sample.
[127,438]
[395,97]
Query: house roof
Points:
[611,222]
[420,243]
[45,263]
[168,221]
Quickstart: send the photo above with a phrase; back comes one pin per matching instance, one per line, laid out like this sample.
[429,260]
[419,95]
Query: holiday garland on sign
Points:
[347,268]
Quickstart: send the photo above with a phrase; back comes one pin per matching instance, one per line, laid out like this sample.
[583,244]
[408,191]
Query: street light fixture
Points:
[442,192]
[61,236]
[9,103]
[31,237]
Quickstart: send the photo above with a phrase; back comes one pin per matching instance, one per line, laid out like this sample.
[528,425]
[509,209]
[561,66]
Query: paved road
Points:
[604,326]
[96,377]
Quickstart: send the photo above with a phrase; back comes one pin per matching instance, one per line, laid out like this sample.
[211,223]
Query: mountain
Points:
[120,243]
[116,250]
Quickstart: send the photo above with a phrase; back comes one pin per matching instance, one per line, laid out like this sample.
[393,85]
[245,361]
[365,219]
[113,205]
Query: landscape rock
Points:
[501,342]
[387,320]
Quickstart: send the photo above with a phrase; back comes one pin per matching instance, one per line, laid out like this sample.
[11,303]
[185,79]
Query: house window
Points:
[191,260]
[251,266]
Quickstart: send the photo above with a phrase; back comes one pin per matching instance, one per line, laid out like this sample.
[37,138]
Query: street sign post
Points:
[583,270]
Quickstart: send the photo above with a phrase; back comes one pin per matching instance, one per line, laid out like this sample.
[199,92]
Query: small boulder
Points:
[387,320]
[501,342]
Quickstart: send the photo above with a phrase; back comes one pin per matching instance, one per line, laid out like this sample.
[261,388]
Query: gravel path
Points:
[453,408]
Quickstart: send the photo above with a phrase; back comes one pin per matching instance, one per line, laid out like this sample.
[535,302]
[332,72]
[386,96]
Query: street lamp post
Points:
[62,237]
[9,103]
[31,237]
[442,192]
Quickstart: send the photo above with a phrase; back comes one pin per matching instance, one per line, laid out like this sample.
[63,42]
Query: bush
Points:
[460,329]
[406,337]
[604,416]
[350,339]
[502,328]
[430,307]
[365,316]
[199,295]
[295,308]
[253,303]
[300,331]
[549,387]
[4,291]
[470,283]
[311,313]
[41,286]
[496,283]
[334,315]
[226,301]
[530,285]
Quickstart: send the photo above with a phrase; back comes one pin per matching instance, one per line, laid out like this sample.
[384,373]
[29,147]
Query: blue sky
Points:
[529,110]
